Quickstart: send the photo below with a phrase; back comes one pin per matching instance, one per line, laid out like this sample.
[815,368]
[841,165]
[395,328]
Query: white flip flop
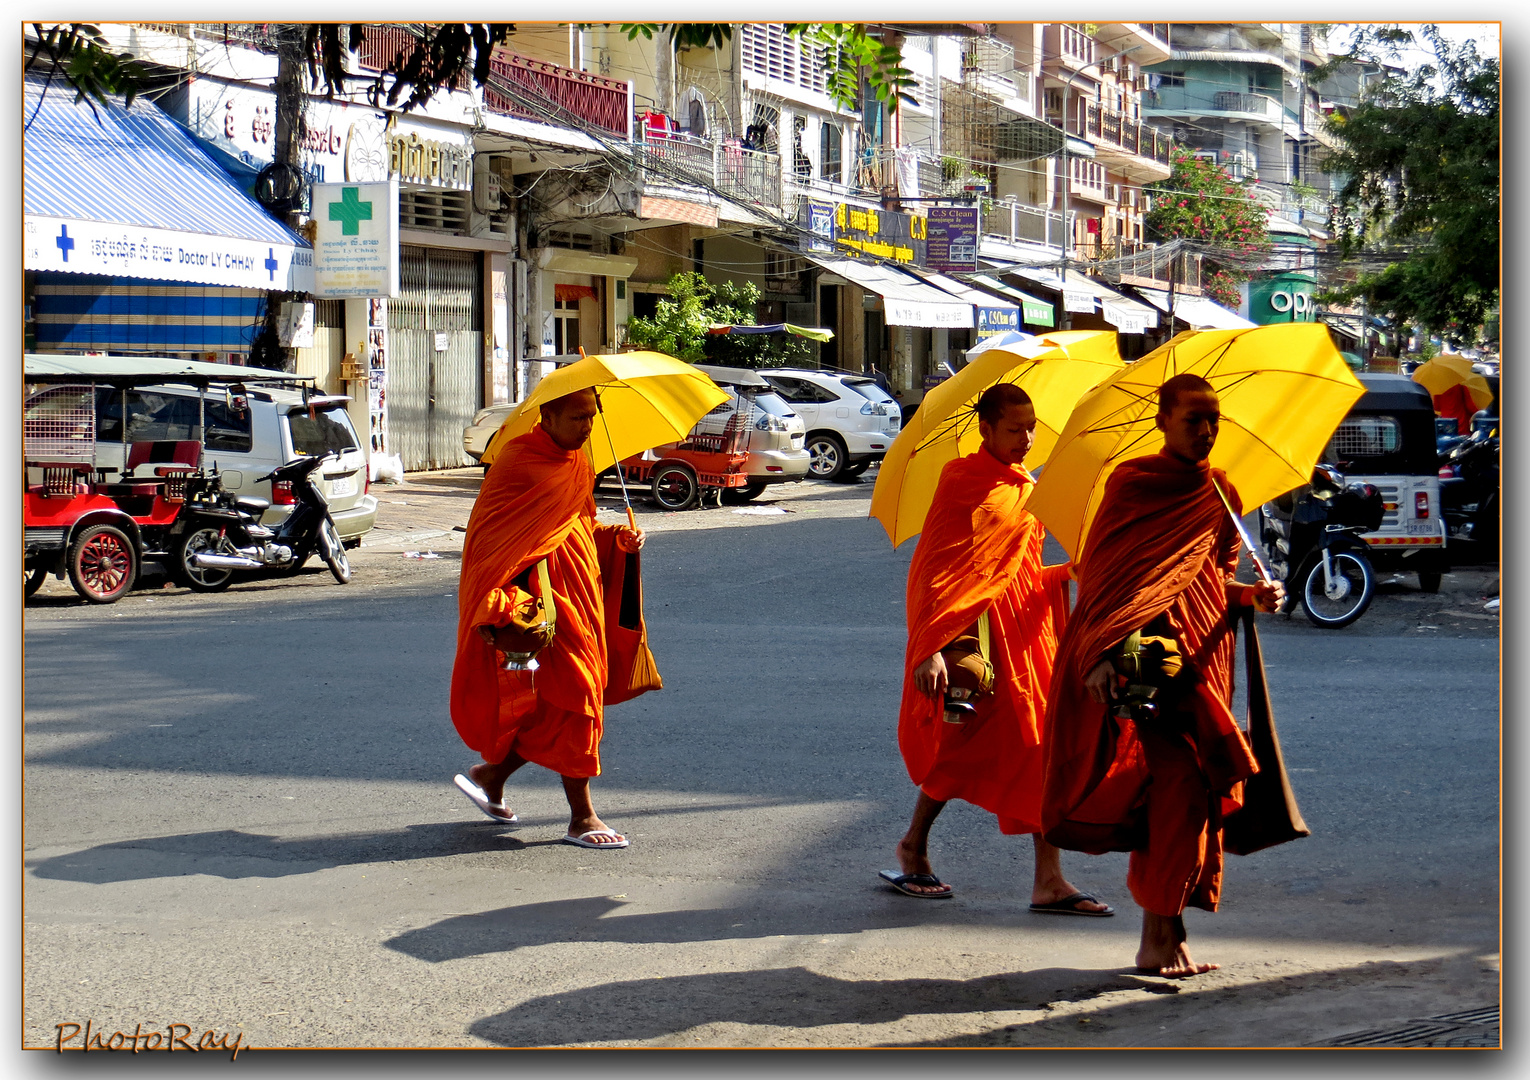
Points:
[479,799]
[582,840]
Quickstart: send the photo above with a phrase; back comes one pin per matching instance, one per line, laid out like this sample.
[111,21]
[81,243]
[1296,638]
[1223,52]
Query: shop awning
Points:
[128,192]
[1084,295]
[1033,311]
[994,316]
[1196,310]
[906,301]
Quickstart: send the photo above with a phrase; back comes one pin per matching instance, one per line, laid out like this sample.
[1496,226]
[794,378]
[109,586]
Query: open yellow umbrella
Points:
[1054,374]
[1440,373]
[646,399]
[1283,390]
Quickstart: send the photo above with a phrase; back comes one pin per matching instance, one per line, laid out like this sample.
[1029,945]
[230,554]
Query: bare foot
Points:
[912,860]
[1178,965]
[1164,949]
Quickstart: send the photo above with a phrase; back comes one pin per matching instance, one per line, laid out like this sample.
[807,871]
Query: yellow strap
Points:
[544,586]
[983,638]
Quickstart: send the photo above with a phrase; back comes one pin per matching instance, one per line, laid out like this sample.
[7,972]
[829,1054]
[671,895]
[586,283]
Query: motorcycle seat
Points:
[252,504]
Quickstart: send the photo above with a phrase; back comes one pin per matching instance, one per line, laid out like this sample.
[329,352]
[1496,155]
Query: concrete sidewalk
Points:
[428,508]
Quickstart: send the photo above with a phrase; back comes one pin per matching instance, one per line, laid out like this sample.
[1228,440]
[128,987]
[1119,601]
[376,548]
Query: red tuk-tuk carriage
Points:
[77,517]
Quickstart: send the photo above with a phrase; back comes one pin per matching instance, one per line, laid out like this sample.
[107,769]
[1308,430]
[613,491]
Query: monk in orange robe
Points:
[1160,559]
[1456,404]
[980,551]
[537,502]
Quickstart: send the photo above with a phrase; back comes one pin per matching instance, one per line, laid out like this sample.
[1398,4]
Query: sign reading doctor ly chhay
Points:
[355,250]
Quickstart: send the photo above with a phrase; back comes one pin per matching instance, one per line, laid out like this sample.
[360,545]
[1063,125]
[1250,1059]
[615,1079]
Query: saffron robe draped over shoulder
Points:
[981,551]
[536,502]
[1162,545]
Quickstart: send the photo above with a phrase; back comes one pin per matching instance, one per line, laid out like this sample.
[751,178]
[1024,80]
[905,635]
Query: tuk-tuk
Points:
[1388,439]
[97,518]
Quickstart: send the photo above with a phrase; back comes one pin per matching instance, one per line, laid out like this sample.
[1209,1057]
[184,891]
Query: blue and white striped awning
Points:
[127,192]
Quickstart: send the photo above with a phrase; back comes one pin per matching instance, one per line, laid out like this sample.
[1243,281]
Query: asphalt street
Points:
[239,808]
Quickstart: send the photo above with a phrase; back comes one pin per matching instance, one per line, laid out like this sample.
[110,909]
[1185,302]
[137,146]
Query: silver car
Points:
[850,420]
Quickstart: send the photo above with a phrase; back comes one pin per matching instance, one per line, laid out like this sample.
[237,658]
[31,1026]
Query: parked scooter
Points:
[1312,537]
[1469,493]
[223,534]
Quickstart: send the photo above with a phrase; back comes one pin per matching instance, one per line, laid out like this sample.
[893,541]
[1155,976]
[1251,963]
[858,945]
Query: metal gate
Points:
[432,392]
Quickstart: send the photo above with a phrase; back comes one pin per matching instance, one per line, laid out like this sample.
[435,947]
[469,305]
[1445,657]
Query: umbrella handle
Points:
[620,479]
[1248,541]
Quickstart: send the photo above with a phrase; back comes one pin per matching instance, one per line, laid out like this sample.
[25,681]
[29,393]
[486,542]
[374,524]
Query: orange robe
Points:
[1162,547]
[1456,404]
[537,501]
[980,551]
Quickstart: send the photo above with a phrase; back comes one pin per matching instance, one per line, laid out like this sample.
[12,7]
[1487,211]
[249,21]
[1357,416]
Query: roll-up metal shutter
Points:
[433,394]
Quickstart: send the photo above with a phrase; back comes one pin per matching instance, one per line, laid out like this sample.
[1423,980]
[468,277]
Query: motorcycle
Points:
[1312,538]
[1469,488]
[221,532]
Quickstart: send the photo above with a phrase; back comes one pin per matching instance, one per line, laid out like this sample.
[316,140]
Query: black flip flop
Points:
[898,881]
[1068,905]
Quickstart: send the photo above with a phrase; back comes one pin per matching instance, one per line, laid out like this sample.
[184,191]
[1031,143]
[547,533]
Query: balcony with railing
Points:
[519,86]
[1017,223]
[723,165]
[1108,128]
[1137,262]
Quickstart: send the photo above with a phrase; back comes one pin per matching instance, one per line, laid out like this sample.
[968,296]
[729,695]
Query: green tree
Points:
[679,326]
[1420,162]
[1201,202]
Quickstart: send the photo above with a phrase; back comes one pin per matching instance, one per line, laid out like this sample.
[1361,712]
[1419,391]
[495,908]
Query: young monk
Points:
[980,551]
[1160,559]
[537,502]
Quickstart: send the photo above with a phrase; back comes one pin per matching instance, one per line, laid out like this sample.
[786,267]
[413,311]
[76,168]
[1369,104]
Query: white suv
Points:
[850,420]
[273,427]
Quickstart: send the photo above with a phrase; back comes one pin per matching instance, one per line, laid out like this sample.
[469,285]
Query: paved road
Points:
[239,809]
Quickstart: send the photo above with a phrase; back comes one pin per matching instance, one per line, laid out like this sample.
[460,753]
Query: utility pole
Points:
[285,181]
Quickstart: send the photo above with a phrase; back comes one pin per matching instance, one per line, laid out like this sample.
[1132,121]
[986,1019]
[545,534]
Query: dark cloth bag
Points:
[1269,814]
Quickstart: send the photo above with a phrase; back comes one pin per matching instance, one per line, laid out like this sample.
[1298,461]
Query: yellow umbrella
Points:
[1440,373]
[646,399]
[944,428]
[1283,390]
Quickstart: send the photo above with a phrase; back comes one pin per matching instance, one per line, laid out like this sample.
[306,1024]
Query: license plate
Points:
[341,486]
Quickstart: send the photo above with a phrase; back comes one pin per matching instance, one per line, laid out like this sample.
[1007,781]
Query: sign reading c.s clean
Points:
[355,250]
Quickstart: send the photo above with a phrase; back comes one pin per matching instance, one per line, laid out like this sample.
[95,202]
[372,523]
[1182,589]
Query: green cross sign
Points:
[349,211]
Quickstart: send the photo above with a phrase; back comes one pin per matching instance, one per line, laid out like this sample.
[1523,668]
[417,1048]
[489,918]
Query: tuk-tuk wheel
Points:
[33,579]
[102,564]
[674,487]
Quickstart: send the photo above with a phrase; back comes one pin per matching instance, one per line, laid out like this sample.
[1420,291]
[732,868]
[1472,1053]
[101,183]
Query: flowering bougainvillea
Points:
[1200,201]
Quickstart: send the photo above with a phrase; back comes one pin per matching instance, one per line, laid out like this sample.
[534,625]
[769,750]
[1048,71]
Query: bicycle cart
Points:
[698,468]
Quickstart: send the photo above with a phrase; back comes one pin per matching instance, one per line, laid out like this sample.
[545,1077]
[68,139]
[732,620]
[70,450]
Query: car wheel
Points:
[32,579]
[674,487]
[333,551]
[1429,580]
[1339,604]
[102,564]
[851,472]
[205,541]
[826,455]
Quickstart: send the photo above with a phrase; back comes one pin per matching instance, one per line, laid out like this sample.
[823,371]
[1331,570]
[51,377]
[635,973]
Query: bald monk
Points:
[1160,558]
[980,551]
[537,502]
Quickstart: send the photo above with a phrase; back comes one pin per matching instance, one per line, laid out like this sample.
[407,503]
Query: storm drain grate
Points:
[1470,1028]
